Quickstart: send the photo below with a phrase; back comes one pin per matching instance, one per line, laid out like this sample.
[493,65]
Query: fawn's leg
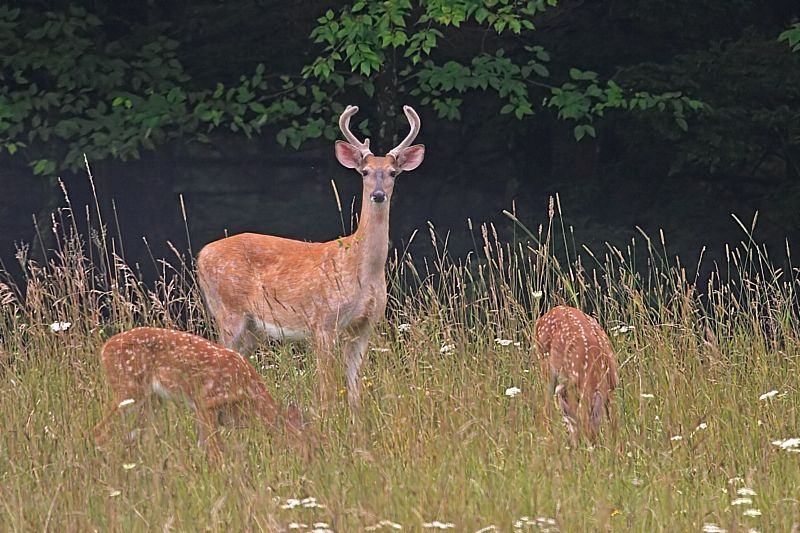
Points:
[613,419]
[101,429]
[568,403]
[597,408]
[207,429]
[121,394]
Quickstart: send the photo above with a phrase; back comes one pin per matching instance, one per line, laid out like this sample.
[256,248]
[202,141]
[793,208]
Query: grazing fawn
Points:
[266,286]
[574,349]
[219,384]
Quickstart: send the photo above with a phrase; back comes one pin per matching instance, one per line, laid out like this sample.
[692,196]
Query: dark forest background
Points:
[656,114]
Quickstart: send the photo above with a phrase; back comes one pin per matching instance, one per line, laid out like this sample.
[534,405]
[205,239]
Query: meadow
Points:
[452,433]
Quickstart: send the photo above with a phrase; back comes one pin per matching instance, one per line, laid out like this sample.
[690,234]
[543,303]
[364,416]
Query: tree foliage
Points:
[792,37]
[70,88]
[399,47]
[66,90]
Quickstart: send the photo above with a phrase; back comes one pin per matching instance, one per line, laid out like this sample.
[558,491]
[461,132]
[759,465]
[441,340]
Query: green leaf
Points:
[581,130]
[541,70]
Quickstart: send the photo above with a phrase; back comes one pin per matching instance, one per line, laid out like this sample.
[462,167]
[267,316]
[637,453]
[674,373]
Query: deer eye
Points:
[393,173]
[364,172]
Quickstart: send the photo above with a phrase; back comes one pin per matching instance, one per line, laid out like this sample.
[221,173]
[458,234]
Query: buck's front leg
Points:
[324,345]
[354,351]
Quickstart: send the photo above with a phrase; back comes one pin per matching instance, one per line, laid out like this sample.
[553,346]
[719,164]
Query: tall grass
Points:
[439,440]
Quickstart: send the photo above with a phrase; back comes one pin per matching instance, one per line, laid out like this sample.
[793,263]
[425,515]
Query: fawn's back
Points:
[574,348]
[145,361]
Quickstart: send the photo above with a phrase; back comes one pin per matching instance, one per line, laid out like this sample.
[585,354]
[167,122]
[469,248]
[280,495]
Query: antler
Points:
[344,125]
[413,119]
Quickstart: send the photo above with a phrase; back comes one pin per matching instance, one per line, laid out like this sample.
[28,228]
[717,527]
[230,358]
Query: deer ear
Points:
[411,157]
[348,155]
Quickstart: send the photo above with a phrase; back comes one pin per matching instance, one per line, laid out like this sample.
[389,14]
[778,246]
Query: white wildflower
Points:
[310,502]
[297,525]
[402,328]
[291,503]
[752,512]
[735,479]
[636,482]
[512,391]
[712,528]
[438,525]
[125,403]
[447,348]
[504,342]
[746,491]
[60,326]
[537,295]
[787,444]
[768,395]
[381,350]
[702,425]
[379,525]
[676,438]
[114,493]
[622,328]
[647,395]
[129,466]
[487,529]
[742,501]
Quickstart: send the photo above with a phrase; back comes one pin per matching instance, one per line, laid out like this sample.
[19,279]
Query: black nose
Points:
[378,196]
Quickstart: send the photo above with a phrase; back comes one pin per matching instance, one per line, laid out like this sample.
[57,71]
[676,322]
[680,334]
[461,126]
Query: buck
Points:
[262,286]
[579,361]
[219,384]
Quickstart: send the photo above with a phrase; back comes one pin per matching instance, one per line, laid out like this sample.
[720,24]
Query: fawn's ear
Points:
[411,157]
[348,155]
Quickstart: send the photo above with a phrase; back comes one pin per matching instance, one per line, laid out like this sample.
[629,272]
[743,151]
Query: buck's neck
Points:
[371,239]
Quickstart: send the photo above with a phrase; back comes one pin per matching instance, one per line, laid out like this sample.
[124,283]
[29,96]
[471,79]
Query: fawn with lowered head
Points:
[266,286]
[220,385]
[578,360]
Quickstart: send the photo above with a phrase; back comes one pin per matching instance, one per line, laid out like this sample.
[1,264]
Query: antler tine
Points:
[344,125]
[413,119]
